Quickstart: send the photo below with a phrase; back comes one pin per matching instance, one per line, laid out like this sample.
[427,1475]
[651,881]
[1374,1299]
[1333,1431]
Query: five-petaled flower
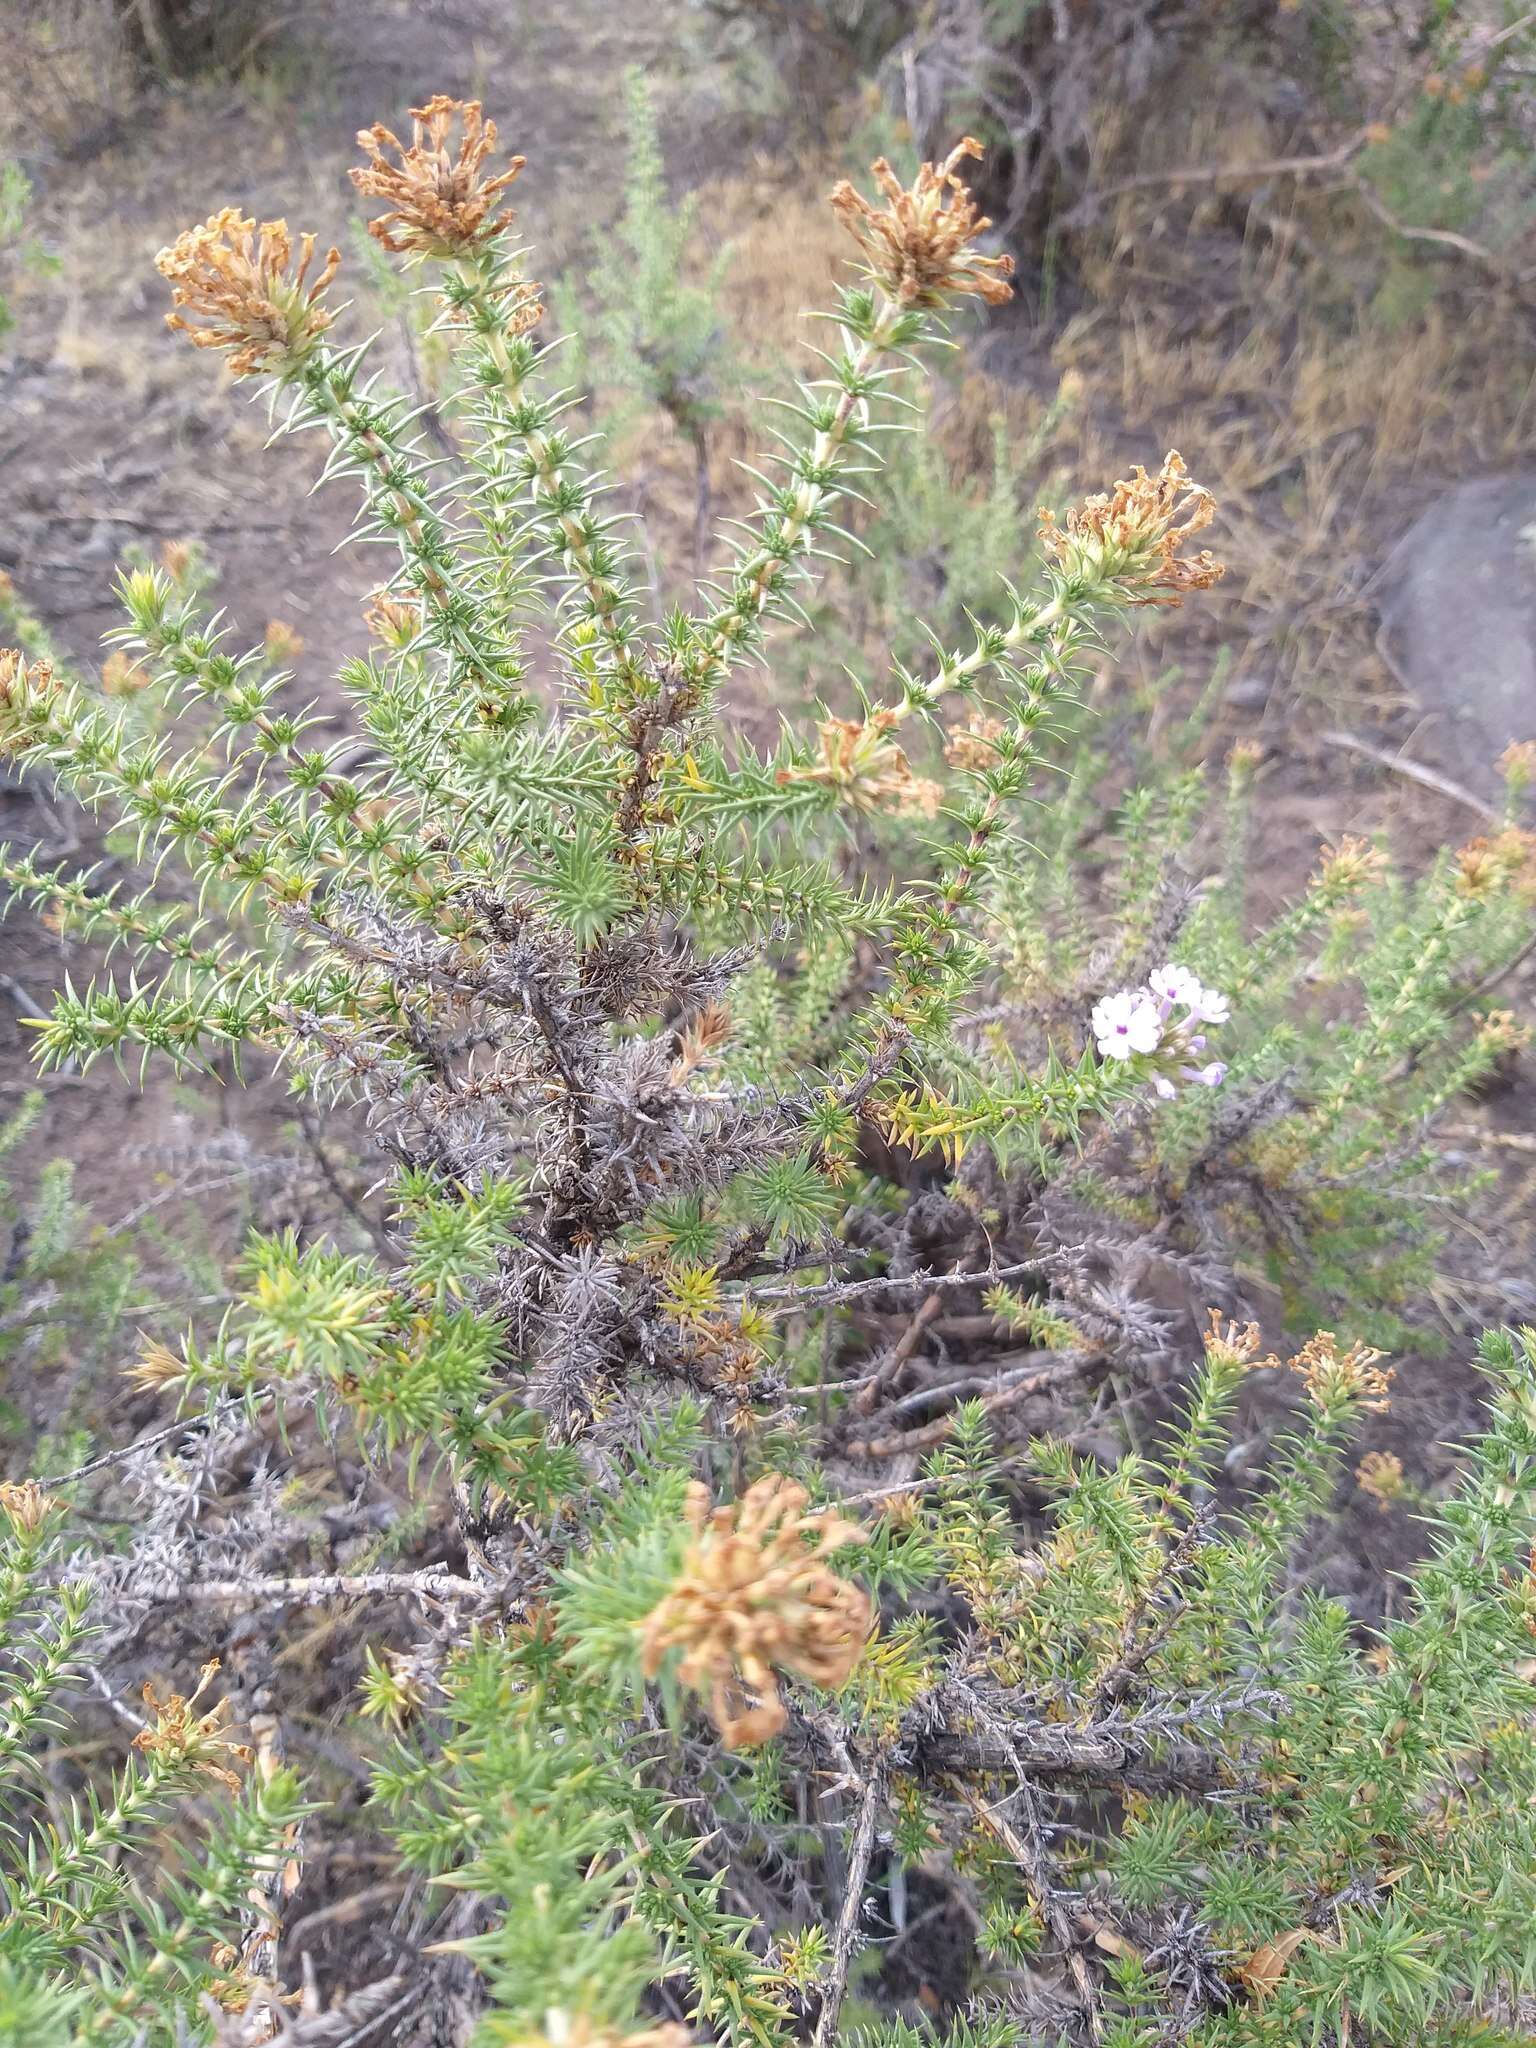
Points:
[1127,1023]
[1140,1023]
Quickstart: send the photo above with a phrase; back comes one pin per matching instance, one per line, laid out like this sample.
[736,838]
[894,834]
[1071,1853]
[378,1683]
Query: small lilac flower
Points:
[1164,1087]
[1209,1076]
[1126,1023]
[1212,1008]
[1174,984]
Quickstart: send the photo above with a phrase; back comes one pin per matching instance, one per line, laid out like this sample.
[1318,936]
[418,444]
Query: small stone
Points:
[1458,624]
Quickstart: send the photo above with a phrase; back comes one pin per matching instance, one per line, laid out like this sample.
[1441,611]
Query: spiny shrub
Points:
[666,1037]
[103,1941]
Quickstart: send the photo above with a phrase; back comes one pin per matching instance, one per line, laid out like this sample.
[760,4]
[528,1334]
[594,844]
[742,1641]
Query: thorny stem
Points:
[760,574]
[557,490]
[1058,620]
[846,1934]
[1033,1862]
[399,495]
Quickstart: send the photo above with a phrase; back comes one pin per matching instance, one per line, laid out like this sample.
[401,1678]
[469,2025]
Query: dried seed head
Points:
[921,246]
[867,769]
[188,1740]
[440,204]
[1500,1032]
[25,1505]
[245,293]
[1517,765]
[1131,537]
[157,1368]
[122,676]
[394,620]
[755,1598]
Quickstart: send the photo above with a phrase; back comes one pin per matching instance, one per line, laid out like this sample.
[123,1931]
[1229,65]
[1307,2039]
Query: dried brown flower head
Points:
[122,676]
[754,1598]
[1344,868]
[1491,864]
[1232,1343]
[868,770]
[181,560]
[921,246]
[1132,536]
[1517,765]
[245,293]
[282,642]
[185,1739]
[700,1041]
[440,203]
[25,1505]
[1501,1031]
[1331,1374]
[1380,1475]
[974,744]
[394,620]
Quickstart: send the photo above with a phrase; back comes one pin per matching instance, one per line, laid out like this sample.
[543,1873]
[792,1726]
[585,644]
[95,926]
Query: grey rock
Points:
[1458,623]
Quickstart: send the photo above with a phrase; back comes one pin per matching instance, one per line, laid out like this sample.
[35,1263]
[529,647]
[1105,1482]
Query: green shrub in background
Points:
[687,1058]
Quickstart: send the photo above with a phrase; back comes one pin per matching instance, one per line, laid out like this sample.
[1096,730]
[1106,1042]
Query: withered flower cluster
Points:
[244,292]
[1330,1372]
[440,202]
[867,769]
[1494,862]
[921,246]
[1132,535]
[25,1505]
[1344,868]
[1380,1476]
[755,1598]
[186,1739]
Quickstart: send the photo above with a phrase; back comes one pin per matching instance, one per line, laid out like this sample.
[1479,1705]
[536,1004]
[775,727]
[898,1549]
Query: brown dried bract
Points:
[440,203]
[921,246]
[868,770]
[755,1598]
[1132,536]
[245,293]
[185,1739]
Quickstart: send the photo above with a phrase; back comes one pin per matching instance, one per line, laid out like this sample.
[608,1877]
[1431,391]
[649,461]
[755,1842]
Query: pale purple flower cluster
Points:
[1141,1023]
